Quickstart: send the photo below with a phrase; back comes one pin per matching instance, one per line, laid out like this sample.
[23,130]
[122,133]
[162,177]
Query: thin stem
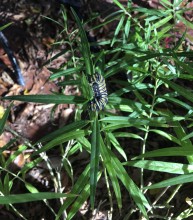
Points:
[160,195]
[173,194]
[147,130]
[109,194]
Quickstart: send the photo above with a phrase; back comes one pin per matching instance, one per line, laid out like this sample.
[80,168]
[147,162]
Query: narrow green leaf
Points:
[168,167]
[135,192]
[154,121]
[185,214]
[112,127]
[116,144]
[180,41]
[162,22]
[127,27]
[1,186]
[31,188]
[84,143]
[176,101]
[119,5]
[55,99]
[65,129]
[15,154]
[149,55]
[9,144]
[187,68]
[127,135]
[94,162]
[30,165]
[166,135]
[69,82]
[185,21]
[158,12]
[118,28]
[116,100]
[66,72]
[85,46]
[6,184]
[171,151]
[61,53]
[111,172]
[181,90]
[185,178]
[190,135]
[165,30]
[78,202]
[59,140]
[54,21]
[30,197]
[186,144]
[5,26]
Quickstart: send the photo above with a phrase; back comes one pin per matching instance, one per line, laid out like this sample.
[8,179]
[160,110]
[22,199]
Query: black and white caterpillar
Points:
[100,96]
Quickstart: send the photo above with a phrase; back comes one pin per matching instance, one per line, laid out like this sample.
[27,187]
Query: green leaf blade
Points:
[94,162]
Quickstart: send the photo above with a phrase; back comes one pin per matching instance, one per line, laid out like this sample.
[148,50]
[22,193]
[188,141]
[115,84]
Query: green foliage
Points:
[5,26]
[4,119]
[30,197]
[153,100]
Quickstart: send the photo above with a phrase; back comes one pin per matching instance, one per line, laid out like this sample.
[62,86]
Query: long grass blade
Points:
[94,162]
[186,178]
[30,197]
[85,46]
[160,166]
[59,140]
[65,129]
[47,99]
[111,172]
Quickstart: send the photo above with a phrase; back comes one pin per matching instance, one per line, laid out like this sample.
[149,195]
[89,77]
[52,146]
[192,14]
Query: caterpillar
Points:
[100,97]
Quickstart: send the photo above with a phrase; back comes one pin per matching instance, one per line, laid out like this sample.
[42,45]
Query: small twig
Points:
[173,194]
[109,194]
[160,195]
[17,70]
